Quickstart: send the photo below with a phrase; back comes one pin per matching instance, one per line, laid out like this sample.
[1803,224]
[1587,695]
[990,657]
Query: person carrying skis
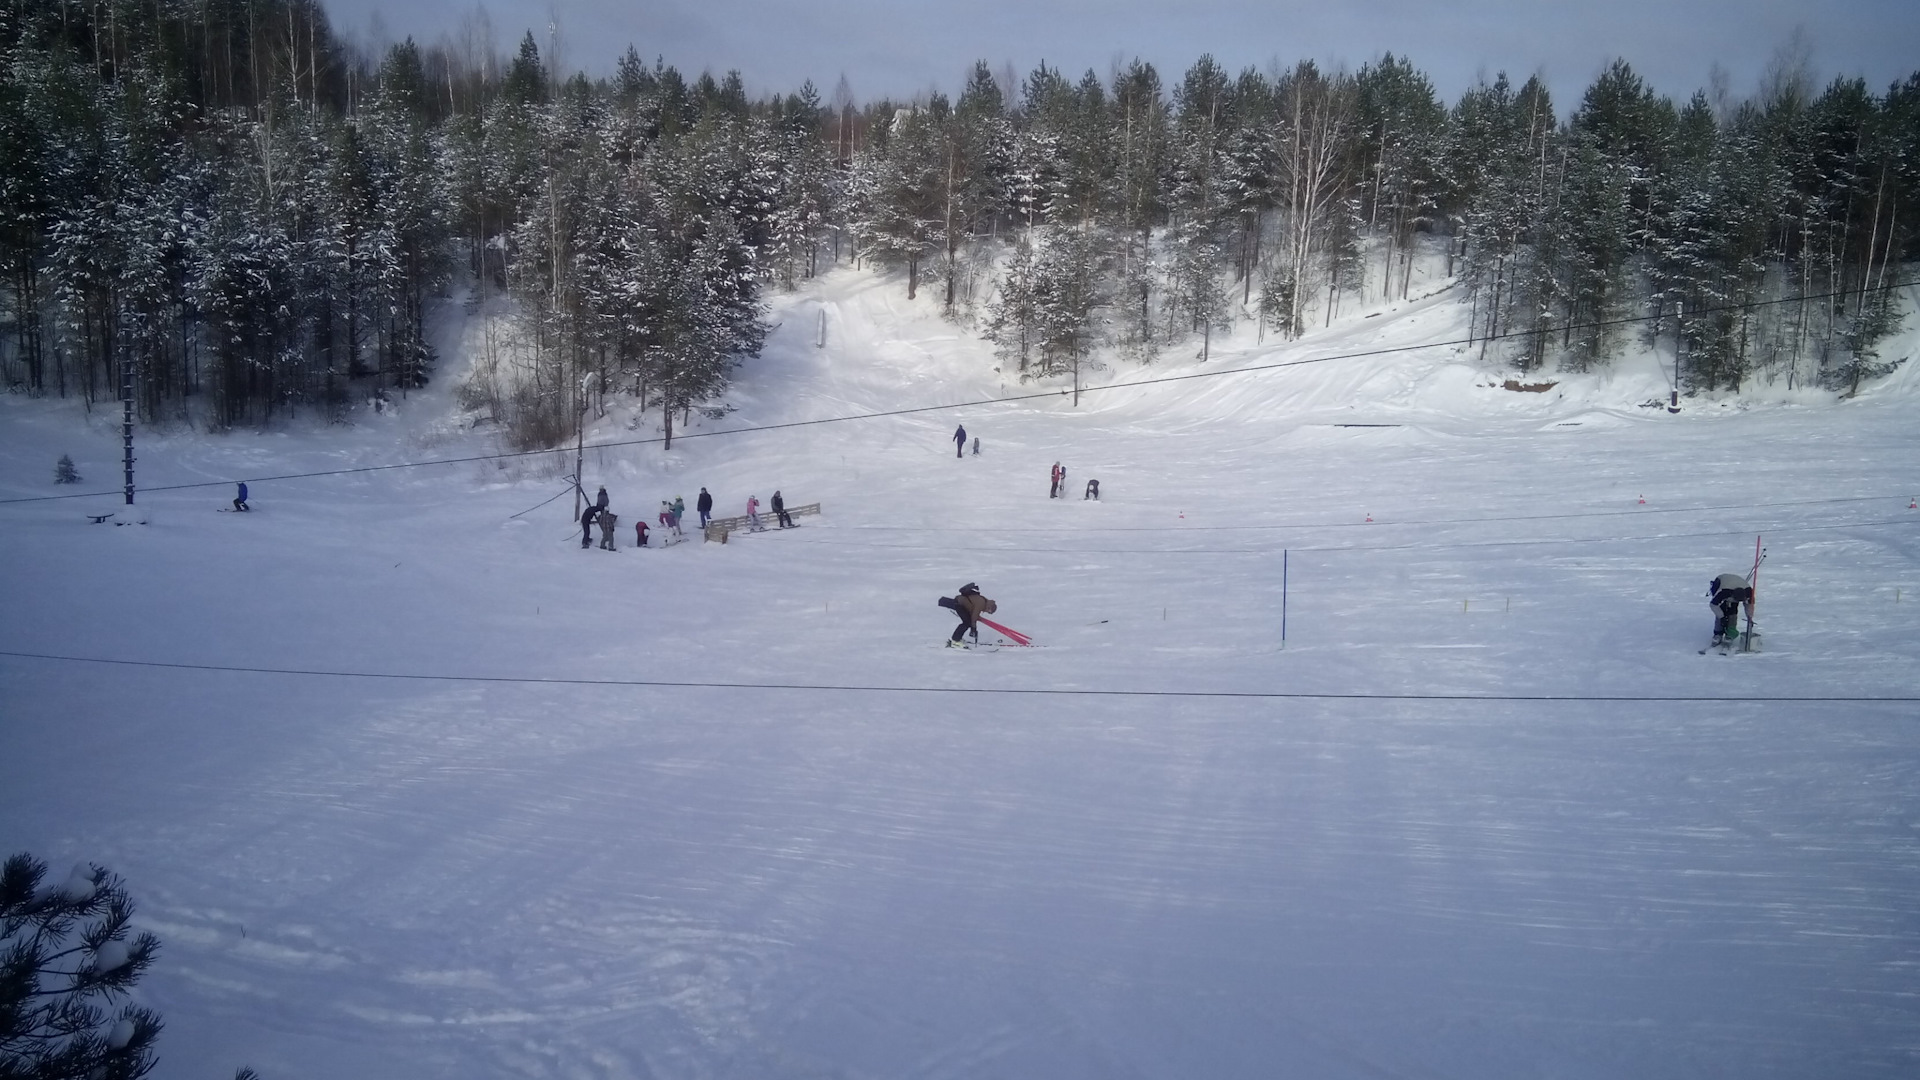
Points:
[1053,481]
[1725,594]
[960,441]
[780,511]
[607,519]
[753,514]
[969,605]
[240,500]
[704,504]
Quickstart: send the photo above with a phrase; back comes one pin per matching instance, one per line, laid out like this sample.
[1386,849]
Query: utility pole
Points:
[1679,313]
[579,456]
[126,420]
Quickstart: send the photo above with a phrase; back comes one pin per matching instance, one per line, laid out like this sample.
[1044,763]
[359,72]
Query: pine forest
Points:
[223,206]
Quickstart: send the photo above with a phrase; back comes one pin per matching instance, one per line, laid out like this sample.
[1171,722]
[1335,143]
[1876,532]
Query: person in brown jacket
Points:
[969,605]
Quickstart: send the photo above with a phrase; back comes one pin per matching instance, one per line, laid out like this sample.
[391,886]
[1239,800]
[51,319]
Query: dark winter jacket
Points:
[600,500]
[1729,589]
[778,503]
[971,605]
[243,491]
[704,503]
[960,435]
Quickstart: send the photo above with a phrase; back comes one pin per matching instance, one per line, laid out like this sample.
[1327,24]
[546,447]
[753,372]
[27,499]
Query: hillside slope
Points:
[733,810]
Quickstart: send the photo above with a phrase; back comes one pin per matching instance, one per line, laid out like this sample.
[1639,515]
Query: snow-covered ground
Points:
[591,876]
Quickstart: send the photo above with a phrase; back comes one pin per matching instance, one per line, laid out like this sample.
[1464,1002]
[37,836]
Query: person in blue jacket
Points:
[240,500]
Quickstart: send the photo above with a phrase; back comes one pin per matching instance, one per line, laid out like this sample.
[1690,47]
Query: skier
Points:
[960,440]
[780,511]
[704,504]
[753,514]
[240,500]
[1093,491]
[1725,594]
[639,533]
[586,524]
[969,605]
[607,519]
[1054,478]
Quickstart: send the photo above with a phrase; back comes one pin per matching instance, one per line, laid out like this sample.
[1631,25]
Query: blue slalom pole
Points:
[1283,598]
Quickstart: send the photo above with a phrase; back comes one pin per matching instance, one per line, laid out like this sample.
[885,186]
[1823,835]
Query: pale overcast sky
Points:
[903,48]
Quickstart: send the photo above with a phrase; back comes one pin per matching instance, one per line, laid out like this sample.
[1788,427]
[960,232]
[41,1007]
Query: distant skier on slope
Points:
[960,441]
[240,500]
[1053,481]
[969,605]
[1725,594]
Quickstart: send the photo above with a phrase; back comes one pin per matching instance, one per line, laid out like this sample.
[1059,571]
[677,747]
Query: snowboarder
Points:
[1093,491]
[1054,477]
[1725,594]
[780,511]
[607,519]
[639,533]
[753,514]
[960,441]
[704,504]
[240,500]
[969,605]
[586,525]
[976,446]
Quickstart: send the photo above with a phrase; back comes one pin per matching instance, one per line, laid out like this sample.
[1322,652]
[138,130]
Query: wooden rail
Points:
[718,528]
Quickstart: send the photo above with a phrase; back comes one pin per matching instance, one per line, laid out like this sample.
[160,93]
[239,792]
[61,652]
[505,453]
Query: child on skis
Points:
[1725,594]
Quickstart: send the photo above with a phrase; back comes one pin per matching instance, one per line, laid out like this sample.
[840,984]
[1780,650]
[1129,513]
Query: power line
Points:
[980,403]
[1774,530]
[1349,524]
[851,688]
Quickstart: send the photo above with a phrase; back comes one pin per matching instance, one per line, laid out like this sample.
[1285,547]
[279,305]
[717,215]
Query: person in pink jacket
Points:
[753,514]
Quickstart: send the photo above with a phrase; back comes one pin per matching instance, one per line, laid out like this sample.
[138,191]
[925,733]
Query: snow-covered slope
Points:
[626,867]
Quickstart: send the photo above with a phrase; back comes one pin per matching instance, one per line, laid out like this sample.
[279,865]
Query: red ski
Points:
[1014,636]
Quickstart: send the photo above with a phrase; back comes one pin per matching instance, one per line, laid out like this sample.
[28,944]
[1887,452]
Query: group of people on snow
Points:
[669,518]
[1057,489]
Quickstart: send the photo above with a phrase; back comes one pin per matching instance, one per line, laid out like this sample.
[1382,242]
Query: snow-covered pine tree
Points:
[68,955]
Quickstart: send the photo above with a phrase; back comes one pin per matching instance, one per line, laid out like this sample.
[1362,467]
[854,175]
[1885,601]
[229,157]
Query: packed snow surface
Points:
[596,875]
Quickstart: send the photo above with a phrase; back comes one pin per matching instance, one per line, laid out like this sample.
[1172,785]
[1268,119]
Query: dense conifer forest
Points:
[246,218]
